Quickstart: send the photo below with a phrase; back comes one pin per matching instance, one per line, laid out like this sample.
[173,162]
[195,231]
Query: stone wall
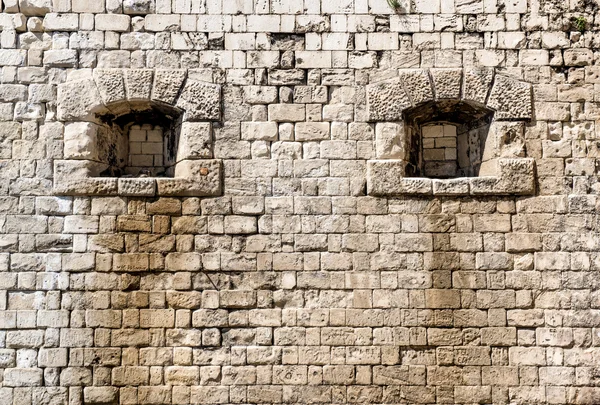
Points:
[294,252]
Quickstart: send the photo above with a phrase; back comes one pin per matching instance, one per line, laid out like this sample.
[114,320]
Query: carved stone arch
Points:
[93,109]
[392,103]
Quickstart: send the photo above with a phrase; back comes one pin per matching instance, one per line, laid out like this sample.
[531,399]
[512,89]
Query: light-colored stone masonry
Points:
[291,249]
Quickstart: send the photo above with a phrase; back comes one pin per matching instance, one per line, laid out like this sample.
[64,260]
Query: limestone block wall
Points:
[297,254]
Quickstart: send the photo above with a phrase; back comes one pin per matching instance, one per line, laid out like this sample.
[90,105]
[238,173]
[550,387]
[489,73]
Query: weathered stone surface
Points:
[451,187]
[138,83]
[477,84]
[35,7]
[110,84]
[195,141]
[193,178]
[200,101]
[137,187]
[384,176]
[386,226]
[390,141]
[511,99]
[81,141]
[447,83]
[387,100]
[418,85]
[167,84]
[78,100]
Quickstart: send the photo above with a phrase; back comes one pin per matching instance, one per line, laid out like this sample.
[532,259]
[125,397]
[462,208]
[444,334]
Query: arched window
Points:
[449,132]
[447,139]
[138,133]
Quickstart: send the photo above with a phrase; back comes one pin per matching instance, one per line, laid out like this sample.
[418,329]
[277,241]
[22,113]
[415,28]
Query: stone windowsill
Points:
[199,178]
[385,178]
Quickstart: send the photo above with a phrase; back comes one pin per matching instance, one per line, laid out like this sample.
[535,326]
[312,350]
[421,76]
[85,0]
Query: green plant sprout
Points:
[395,4]
[580,23]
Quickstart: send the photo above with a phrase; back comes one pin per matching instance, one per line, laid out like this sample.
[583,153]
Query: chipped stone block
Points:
[504,139]
[139,7]
[193,178]
[81,141]
[35,7]
[167,84]
[195,141]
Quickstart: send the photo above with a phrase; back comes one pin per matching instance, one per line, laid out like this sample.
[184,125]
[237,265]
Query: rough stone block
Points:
[138,83]
[195,141]
[511,99]
[390,141]
[110,85]
[78,100]
[200,101]
[387,100]
[167,84]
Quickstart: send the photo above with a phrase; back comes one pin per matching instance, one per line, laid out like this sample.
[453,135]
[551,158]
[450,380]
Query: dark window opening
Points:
[447,139]
[142,142]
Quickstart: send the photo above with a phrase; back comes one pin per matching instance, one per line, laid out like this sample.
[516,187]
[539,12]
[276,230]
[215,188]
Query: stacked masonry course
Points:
[290,250]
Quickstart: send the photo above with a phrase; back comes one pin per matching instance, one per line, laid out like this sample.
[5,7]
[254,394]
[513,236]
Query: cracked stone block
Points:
[81,140]
[477,83]
[138,83]
[167,84]
[390,140]
[78,100]
[200,100]
[387,100]
[417,84]
[110,84]
[195,141]
[447,83]
[511,98]
[137,187]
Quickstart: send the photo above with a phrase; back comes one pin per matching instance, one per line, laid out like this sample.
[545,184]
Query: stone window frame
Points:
[507,173]
[89,98]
